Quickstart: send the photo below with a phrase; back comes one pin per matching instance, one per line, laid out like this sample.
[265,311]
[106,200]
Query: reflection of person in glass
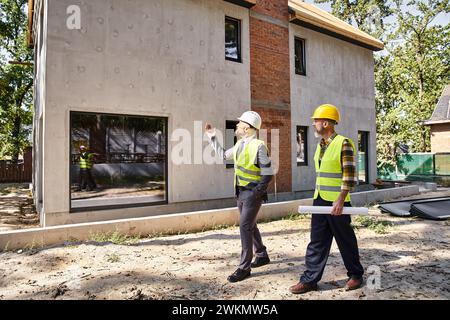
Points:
[300,147]
[86,162]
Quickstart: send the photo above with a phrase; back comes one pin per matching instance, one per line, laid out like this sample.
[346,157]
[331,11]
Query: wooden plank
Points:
[30,39]
[307,14]
[243,3]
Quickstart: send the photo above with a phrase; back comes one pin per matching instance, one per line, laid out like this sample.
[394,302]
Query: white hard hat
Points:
[252,118]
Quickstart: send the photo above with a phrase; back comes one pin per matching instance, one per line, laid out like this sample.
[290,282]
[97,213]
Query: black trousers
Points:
[323,228]
[86,179]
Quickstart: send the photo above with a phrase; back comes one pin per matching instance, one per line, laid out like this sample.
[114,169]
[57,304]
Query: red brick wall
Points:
[277,9]
[279,119]
[270,80]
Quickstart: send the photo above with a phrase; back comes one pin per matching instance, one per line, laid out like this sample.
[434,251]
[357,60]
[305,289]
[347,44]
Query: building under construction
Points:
[119,77]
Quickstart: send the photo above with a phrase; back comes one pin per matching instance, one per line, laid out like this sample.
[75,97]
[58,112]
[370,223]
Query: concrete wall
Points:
[440,137]
[153,58]
[339,73]
[40,51]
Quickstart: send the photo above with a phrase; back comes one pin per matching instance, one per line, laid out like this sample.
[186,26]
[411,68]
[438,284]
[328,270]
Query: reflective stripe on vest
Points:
[86,163]
[329,174]
[245,169]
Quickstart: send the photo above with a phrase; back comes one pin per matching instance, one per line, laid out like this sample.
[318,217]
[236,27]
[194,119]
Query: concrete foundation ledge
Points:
[425,186]
[369,197]
[173,223]
[166,224]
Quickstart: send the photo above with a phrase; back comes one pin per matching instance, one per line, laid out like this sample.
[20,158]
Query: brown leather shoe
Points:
[353,284]
[301,287]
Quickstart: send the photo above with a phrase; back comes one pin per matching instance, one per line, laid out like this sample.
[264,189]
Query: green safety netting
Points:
[413,164]
[418,167]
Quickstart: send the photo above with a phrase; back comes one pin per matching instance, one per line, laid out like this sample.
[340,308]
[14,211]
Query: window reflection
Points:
[302,149]
[232,39]
[117,160]
[363,160]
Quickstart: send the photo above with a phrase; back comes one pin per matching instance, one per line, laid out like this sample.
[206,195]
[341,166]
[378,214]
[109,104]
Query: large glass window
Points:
[232,39]
[302,146]
[363,157]
[117,160]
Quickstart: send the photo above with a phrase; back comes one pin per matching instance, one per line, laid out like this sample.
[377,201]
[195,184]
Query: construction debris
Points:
[426,208]
[435,209]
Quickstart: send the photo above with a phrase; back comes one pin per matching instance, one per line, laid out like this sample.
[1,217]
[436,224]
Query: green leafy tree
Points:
[409,78]
[409,74]
[16,80]
[420,66]
[366,15]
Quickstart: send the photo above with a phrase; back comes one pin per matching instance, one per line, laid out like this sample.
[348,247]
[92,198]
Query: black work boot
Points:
[239,275]
[260,261]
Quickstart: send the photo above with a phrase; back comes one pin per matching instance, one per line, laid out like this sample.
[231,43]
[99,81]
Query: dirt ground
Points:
[411,255]
[16,208]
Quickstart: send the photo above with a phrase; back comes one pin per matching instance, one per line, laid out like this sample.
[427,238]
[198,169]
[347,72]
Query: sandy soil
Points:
[16,208]
[413,258]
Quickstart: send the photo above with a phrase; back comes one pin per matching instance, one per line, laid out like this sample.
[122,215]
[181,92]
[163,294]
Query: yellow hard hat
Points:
[326,111]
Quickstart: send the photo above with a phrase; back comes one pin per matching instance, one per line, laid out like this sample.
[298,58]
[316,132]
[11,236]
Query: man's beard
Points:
[238,134]
[317,135]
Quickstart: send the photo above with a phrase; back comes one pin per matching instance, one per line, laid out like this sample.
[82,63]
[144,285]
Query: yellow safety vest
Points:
[245,169]
[86,163]
[329,174]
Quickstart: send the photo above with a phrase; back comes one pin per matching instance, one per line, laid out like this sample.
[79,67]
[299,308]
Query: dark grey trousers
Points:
[249,205]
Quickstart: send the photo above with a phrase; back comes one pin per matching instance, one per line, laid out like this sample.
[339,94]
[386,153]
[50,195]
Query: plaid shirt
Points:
[349,178]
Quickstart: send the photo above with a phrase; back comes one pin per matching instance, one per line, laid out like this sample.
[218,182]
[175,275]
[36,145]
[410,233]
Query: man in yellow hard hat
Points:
[252,174]
[336,177]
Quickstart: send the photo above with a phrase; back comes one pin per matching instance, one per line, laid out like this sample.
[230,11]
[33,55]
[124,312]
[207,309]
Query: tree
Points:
[366,15]
[16,80]
[421,68]
[410,78]
[409,74]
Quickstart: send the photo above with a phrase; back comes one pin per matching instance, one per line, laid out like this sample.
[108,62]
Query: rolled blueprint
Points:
[327,210]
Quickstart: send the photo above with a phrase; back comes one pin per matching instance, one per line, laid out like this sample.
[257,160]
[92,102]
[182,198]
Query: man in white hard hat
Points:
[252,174]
